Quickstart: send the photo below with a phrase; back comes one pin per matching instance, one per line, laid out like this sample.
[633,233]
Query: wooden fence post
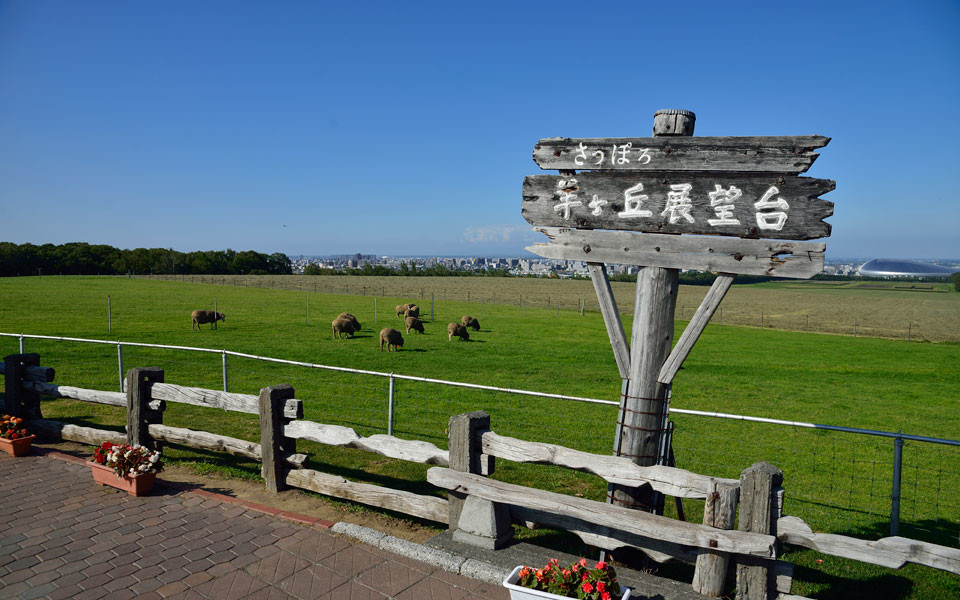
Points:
[19,402]
[758,508]
[139,413]
[720,511]
[474,520]
[273,444]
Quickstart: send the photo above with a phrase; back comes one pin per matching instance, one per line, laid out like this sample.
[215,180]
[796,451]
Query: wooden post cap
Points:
[673,121]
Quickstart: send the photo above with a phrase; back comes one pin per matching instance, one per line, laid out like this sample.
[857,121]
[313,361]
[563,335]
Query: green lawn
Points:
[836,482]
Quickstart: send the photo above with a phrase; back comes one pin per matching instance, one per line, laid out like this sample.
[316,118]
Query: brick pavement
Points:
[62,536]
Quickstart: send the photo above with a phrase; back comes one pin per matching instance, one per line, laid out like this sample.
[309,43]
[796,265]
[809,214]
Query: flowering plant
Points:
[576,581]
[128,460]
[12,428]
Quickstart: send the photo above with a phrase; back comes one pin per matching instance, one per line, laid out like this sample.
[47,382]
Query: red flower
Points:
[605,596]
[587,587]
[601,565]
[601,587]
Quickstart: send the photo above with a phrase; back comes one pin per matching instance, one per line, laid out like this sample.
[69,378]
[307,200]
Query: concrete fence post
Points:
[474,520]
[273,444]
[139,413]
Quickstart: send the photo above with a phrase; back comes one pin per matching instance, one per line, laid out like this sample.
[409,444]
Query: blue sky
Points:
[407,128]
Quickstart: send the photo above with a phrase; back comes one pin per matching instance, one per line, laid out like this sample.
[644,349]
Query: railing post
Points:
[390,407]
[21,343]
[720,511]
[223,360]
[19,402]
[475,521]
[895,494]
[758,511]
[139,413]
[273,444]
[120,363]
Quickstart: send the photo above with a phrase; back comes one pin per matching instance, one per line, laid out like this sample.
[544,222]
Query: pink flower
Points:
[583,562]
[601,565]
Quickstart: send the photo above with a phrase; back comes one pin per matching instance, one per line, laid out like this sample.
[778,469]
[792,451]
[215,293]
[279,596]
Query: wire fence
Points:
[837,479]
[856,309]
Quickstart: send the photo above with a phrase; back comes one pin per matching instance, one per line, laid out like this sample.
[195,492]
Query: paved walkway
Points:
[62,536]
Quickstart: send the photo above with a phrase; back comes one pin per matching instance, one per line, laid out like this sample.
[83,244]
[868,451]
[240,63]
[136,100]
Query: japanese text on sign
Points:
[769,210]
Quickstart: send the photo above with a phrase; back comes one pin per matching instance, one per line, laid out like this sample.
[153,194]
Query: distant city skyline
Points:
[309,128]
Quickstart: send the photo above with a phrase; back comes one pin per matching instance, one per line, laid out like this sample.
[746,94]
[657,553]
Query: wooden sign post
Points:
[628,200]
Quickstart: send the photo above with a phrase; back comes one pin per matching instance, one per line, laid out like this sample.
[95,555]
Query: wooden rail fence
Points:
[478,509]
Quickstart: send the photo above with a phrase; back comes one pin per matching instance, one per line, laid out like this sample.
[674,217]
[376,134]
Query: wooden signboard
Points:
[637,201]
[755,205]
[772,154]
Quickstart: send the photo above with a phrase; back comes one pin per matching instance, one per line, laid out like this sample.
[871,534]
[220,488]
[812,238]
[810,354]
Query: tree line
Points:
[78,258]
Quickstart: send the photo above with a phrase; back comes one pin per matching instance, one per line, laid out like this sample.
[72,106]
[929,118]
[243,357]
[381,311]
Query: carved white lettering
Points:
[597,205]
[678,203]
[632,201]
[722,202]
[567,189]
[581,155]
[771,220]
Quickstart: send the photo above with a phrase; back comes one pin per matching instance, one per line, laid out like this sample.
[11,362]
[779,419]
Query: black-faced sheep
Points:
[390,337]
[342,327]
[199,317]
[456,329]
[470,322]
[348,316]
[414,324]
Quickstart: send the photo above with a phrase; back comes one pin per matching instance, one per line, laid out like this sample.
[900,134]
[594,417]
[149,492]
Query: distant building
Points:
[888,267]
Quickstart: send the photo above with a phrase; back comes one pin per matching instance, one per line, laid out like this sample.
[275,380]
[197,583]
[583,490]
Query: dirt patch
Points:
[294,501]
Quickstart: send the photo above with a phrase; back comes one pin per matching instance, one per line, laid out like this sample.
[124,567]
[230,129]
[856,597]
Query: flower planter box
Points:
[135,485]
[518,592]
[17,447]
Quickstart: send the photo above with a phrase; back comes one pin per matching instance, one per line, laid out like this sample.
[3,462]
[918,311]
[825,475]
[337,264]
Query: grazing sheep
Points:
[391,337]
[456,329]
[199,317]
[349,317]
[412,311]
[470,322]
[414,324]
[342,327]
[402,308]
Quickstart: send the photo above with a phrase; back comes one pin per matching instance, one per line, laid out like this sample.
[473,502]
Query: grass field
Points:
[895,310]
[835,482]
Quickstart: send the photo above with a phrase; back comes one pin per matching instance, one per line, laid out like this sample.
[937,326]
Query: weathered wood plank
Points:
[246,403]
[606,538]
[425,507]
[720,511]
[606,515]
[695,327]
[739,204]
[615,469]
[776,154]
[771,258]
[57,431]
[75,393]
[756,578]
[611,317]
[204,440]
[34,373]
[336,435]
[891,552]
[139,414]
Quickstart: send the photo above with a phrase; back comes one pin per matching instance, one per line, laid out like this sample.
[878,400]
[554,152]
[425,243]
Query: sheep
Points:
[349,317]
[412,311]
[413,323]
[199,317]
[470,322]
[402,308]
[456,329]
[341,327]
[391,337]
